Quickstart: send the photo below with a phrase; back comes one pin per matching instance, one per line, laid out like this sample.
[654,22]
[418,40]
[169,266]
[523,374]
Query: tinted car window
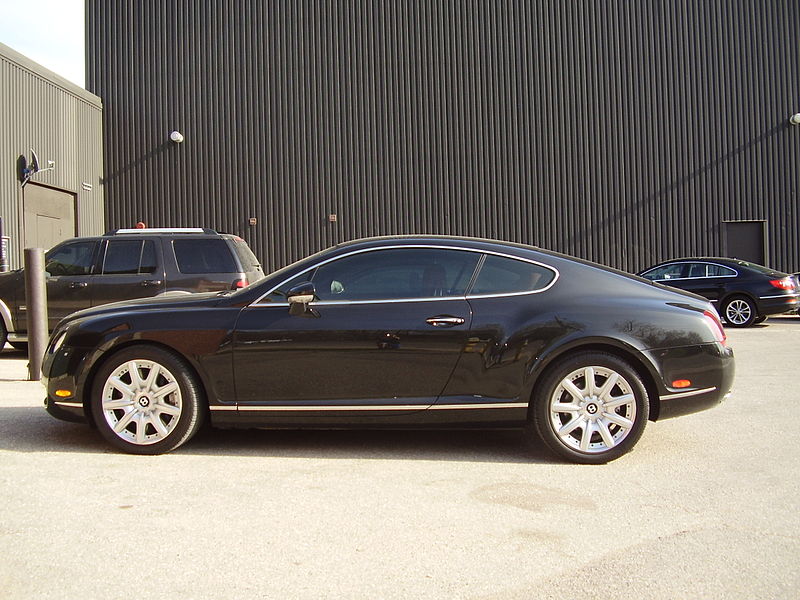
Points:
[122,257]
[673,271]
[129,257]
[395,274]
[149,263]
[71,259]
[720,271]
[698,270]
[501,275]
[204,256]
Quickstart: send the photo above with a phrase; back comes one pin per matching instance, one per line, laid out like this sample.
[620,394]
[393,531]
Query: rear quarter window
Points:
[500,275]
[199,256]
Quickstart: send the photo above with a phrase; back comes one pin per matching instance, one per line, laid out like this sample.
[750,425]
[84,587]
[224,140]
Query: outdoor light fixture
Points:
[176,136]
[795,119]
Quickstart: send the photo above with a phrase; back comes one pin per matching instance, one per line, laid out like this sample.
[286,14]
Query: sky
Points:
[49,32]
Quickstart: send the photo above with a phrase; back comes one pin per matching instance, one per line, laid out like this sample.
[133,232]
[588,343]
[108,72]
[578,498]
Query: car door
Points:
[701,279]
[68,269]
[128,269]
[383,336]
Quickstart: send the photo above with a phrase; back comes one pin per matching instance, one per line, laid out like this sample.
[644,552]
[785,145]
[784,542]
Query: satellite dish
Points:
[34,162]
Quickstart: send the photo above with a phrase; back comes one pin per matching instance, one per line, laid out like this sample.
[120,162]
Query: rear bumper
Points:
[709,368]
[775,305]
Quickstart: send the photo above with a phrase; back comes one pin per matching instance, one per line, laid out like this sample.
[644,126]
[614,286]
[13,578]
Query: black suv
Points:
[126,264]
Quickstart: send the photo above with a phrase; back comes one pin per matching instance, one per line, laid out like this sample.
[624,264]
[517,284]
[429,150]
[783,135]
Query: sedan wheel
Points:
[146,401]
[591,408]
[739,312]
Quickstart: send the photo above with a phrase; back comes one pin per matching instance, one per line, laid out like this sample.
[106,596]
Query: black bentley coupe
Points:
[398,332]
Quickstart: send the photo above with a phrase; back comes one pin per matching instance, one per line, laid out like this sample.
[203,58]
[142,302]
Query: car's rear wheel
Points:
[739,311]
[590,408]
[146,400]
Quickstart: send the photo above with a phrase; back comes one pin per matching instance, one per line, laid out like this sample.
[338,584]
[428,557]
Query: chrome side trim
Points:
[485,405]
[69,404]
[687,394]
[362,408]
[780,296]
[259,302]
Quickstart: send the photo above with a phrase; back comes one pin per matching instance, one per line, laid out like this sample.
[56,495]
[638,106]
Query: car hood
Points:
[166,301]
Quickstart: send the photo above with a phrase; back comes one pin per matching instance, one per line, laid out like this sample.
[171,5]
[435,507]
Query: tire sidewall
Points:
[544,389]
[191,415]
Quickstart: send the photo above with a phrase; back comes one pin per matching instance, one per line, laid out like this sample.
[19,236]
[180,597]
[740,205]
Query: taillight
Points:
[783,284]
[239,284]
[715,325]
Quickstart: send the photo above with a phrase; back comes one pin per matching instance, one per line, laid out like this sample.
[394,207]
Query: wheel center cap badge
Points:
[591,408]
[144,401]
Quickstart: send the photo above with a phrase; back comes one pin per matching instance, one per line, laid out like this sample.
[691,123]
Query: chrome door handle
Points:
[444,321]
[149,282]
[78,284]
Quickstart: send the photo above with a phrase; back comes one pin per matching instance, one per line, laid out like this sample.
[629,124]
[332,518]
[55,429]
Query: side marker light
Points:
[681,383]
[63,393]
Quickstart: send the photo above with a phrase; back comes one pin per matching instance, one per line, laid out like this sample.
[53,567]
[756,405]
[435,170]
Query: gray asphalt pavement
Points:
[706,506]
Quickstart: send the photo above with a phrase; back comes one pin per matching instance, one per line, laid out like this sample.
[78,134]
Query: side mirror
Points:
[299,297]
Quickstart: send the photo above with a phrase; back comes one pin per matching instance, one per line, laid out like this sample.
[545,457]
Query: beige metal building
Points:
[42,113]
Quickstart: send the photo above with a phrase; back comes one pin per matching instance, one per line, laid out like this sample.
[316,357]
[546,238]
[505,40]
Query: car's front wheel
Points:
[590,408]
[146,400]
[739,312]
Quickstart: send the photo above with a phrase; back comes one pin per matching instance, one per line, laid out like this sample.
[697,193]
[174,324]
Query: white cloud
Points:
[49,32]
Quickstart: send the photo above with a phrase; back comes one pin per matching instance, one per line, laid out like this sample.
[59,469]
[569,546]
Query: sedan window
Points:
[671,271]
[500,275]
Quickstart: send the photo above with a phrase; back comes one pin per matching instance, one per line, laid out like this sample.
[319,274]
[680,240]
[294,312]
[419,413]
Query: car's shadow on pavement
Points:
[27,429]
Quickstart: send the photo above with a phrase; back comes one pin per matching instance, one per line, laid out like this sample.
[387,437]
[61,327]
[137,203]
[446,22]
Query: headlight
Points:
[58,342]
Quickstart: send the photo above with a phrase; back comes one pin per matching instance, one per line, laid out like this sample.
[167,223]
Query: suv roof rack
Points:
[161,230]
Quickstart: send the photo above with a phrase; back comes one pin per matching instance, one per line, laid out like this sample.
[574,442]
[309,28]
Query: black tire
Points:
[158,411]
[3,334]
[21,346]
[599,434]
[739,311]
[760,319]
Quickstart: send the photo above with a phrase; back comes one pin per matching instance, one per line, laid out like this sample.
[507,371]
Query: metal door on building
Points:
[49,216]
[746,240]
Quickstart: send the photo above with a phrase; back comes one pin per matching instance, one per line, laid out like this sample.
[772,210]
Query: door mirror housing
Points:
[299,297]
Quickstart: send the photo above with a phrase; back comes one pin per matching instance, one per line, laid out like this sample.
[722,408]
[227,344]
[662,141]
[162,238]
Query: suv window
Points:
[204,256]
[500,275]
[71,259]
[129,257]
[246,256]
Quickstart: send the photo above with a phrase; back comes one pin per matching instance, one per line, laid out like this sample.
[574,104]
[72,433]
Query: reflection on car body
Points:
[413,331]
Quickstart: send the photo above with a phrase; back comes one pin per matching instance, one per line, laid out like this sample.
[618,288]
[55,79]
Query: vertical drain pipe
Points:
[36,302]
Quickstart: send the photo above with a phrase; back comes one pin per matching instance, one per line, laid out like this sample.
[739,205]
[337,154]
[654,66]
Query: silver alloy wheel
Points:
[593,409]
[142,402]
[738,311]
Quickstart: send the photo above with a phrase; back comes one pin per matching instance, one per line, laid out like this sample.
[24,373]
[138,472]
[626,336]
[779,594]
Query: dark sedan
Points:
[745,293]
[399,332]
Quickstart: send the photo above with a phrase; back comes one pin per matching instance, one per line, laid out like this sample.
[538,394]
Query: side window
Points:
[71,259]
[149,262]
[720,271]
[279,294]
[396,274]
[673,271]
[198,256]
[500,275]
[122,257]
[698,270]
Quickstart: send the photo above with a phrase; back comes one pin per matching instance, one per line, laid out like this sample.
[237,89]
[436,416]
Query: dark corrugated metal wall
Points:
[623,132]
